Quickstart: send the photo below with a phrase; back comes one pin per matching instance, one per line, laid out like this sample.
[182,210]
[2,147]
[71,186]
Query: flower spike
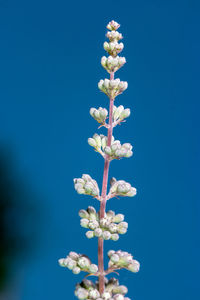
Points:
[105,225]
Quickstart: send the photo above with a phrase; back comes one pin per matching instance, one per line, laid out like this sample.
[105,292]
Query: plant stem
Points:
[103,196]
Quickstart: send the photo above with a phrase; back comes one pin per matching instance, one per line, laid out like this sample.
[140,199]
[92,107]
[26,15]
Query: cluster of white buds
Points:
[115,151]
[121,188]
[113,47]
[99,114]
[114,35]
[86,185]
[107,228]
[112,64]
[99,142]
[86,290]
[120,259]
[89,290]
[113,25]
[120,113]
[113,87]
[77,263]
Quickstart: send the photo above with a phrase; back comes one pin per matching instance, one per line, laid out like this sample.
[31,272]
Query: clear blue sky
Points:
[49,69]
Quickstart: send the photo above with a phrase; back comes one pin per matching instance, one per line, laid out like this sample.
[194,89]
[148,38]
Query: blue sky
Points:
[50,66]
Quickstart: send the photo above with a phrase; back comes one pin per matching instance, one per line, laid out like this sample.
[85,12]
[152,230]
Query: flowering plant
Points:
[105,225]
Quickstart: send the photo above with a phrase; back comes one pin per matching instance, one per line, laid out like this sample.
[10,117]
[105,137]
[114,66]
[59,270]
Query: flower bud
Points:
[125,114]
[106,235]
[73,255]
[61,262]
[80,191]
[79,181]
[106,46]
[93,224]
[129,153]
[117,112]
[103,142]
[120,153]
[96,115]
[104,222]
[106,83]
[83,214]
[93,268]
[71,264]
[123,225]
[113,25]
[92,142]
[98,232]
[88,187]
[132,192]
[82,293]
[120,47]
[123,188]
[103,61]
[121,289]
[93,294]
[127,146]
[92,110]
[118,218]
[115,146]
[84,223]
[97,139]
[103,113]
[106,295]
[90,234]
[92,213]
[107,150]
[110,214]
[76,270]
[114,258]
[110,253]
[83,262]
[115,237]
[125,85]
[109,60]
[87,284]
[100,84]
[134,266]
[122,60]
[113,228]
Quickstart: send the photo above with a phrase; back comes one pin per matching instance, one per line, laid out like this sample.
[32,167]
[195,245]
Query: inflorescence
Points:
[105,225]
[108,227]
[119,114]
[89,290]
[77,263]
[115,151]
[121,259]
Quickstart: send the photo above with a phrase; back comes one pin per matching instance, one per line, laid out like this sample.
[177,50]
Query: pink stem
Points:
[103,196]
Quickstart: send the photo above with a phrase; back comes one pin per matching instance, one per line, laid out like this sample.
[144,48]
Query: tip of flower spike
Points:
[113,25]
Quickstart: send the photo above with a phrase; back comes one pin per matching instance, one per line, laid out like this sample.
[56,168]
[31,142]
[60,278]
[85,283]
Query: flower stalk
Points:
[104,194]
